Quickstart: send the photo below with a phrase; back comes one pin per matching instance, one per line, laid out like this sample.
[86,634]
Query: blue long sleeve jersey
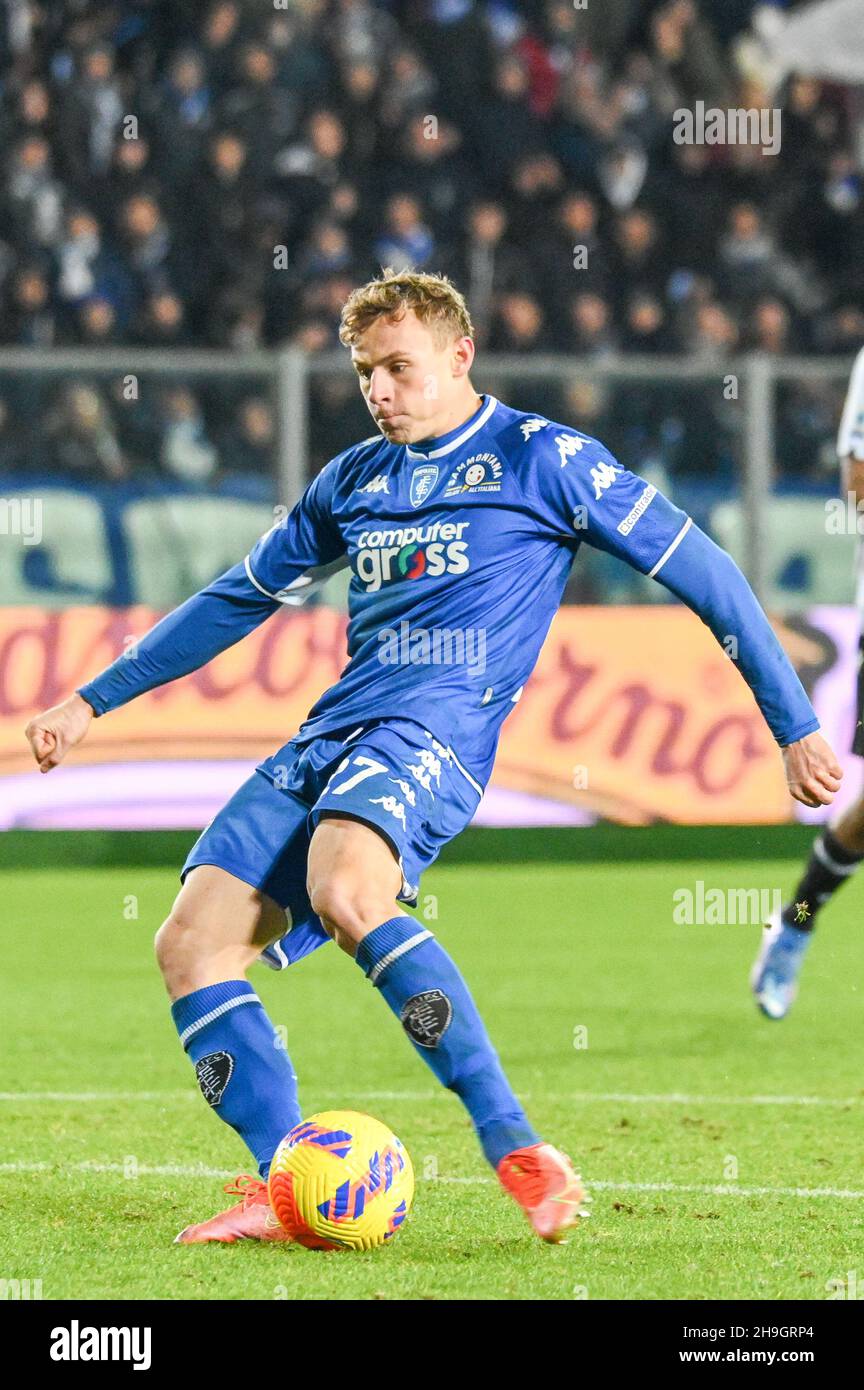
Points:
[460,548]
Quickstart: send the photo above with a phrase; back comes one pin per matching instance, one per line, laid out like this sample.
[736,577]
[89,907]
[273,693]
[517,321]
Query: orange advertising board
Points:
[632,713]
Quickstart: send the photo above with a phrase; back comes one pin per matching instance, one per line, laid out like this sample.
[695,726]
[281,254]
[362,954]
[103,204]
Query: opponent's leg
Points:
[353,883]
[215,931]
[837,851]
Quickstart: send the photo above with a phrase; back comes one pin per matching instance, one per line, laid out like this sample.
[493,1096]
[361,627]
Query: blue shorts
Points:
[391,774]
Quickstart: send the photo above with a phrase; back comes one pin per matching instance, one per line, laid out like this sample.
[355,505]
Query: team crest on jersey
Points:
[529,427]
[480,473]
[422,482]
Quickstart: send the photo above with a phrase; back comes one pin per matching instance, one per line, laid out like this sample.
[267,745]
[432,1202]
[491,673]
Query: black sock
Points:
[828,867]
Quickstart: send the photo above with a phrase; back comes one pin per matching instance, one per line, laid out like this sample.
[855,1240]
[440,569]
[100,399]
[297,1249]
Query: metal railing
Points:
[290,372]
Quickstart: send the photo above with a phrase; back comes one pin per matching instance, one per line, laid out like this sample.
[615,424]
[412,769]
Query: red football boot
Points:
[251,1219]
[548,1191]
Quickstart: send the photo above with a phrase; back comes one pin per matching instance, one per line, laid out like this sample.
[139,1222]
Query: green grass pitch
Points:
[723,1151]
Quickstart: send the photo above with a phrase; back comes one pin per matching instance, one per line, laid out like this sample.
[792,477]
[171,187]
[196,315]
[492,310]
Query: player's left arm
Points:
[604,504]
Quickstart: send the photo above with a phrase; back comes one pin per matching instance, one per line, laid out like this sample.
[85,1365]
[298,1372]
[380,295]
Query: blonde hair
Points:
[434,299]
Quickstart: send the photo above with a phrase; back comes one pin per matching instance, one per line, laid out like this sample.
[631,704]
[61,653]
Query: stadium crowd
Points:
[223,174]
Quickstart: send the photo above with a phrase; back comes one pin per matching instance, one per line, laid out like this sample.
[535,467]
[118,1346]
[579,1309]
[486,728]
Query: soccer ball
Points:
[341,1181]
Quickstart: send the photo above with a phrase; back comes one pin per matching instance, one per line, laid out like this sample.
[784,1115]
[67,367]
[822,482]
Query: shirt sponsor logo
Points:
[641,505]
[411,552]
[479,473]
[422,482]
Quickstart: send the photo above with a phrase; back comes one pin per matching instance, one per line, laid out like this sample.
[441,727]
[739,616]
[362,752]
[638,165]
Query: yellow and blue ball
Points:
[341,1180]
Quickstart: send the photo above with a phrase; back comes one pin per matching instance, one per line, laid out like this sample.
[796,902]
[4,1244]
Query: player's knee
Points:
[177,943]
[348,910]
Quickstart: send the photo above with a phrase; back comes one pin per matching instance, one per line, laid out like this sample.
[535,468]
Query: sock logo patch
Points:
[426,1017]
[214,1072]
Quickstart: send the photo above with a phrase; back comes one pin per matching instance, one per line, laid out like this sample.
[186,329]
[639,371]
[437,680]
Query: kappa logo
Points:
[479,473]
[568,446]
[379,484]
[393,806]
[406,789]
[529,427]
[603,476]
[214,1072]
[426,1017]
[429,767]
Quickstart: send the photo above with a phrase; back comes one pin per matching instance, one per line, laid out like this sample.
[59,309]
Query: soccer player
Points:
[839,848]
[460,518]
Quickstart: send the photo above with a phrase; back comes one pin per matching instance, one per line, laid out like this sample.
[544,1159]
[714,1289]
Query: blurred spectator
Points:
[85,269]
[504,130]
[221,32]
[488,264]
[97,323]
[258,107]
[187,452]
[747,254]
[92,111]
[591,328]
[80,436]
[714,334]
[646,328]
[407,88]
[573,253]
[432,168]
[30,319]
[311,167]
[162,321]
[248,447]
[405,242]
[35,197]
[519,324]
[638,258]
[772,329]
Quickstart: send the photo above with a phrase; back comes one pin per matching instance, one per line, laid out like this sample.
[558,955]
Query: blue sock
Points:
[243,1070]
[428,995]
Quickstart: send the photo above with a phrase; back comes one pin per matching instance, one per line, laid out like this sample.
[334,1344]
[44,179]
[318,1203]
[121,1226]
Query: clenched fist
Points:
[812,771]
[53,733]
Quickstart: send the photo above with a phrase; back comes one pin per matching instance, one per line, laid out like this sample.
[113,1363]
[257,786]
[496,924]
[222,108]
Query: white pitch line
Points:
[676,1098]
[200,1170]
[90,1097]
[573,1097]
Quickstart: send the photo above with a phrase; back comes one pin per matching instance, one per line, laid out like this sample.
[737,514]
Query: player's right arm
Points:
[274,573]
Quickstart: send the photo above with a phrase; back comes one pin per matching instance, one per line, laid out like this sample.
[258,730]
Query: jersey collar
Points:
[446,443]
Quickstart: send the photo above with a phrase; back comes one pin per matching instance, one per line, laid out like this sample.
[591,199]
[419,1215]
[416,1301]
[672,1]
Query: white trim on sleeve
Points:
[259,587]
[669,549]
